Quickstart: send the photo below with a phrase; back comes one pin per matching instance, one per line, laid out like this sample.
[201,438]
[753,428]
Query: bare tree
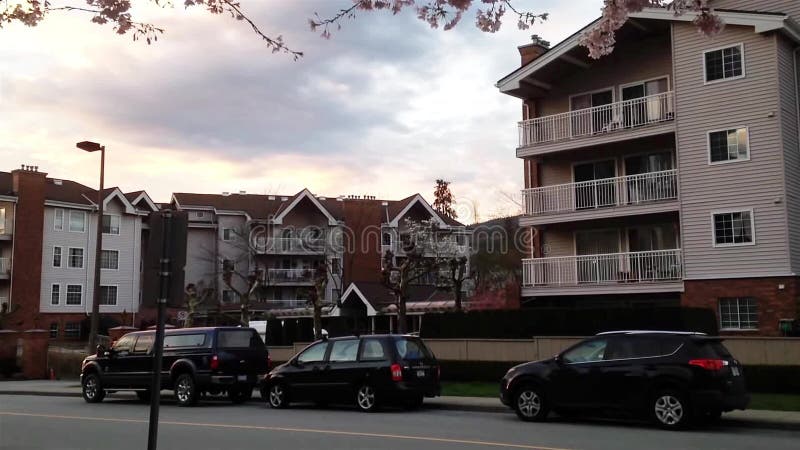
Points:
[457,270]
[197,297]
[323,273]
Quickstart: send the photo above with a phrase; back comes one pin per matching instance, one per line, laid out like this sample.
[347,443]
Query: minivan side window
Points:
[344,351]
[315,353]
[590,351]
[184,340]
[372,350]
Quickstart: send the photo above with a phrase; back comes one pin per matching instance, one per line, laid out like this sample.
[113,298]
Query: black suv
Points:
[368,371]
[672,378]
[196,360]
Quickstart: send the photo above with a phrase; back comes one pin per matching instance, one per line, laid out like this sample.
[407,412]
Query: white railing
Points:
[599,119]
[290,275]
[627,190]
[290,245]
[631,267]
[5,266]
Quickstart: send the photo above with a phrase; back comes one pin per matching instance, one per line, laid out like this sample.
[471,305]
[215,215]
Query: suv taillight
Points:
[708,364]
[397,372]
[214,362]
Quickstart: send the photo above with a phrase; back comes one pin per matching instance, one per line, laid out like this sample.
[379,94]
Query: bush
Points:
[525,323]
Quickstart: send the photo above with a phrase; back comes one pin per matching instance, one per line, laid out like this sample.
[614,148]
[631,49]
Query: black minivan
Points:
[369,371]
[671,378]
[196,360]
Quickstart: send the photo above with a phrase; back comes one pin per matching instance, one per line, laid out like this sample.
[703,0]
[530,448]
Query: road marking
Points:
[288,429]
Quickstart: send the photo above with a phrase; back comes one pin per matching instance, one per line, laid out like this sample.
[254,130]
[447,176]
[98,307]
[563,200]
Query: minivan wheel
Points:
[367,398]
[670,410]
[277,396]
[530,405]
[185,390]
[92,388]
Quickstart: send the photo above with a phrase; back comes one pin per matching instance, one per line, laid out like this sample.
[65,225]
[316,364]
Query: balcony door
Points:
[598,258]
[639,112]
[647,262]
[595,186]
[589,121]
[646,188]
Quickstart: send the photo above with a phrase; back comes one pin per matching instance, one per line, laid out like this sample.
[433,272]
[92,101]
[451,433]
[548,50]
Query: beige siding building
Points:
[667,172]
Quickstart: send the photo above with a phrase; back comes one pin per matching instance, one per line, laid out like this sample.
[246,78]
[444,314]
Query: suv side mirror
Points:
[100,350]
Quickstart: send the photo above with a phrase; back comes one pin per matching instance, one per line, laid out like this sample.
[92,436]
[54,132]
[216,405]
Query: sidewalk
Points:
[750,418]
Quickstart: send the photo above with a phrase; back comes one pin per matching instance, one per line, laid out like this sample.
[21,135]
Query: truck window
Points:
[239,339]
[185,340]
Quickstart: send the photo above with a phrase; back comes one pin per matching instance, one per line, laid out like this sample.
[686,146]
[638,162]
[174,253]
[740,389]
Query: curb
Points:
[499,409]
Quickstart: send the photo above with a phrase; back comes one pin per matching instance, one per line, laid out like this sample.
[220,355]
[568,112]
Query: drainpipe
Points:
[796,92]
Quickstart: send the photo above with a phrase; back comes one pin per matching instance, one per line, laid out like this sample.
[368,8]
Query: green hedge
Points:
[767,379]
[524,323]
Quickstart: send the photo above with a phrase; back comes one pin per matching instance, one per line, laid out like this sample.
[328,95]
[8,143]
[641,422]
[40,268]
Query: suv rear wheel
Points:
[529,404]
[367,398]
[185,390]
[670,410]
[92,388]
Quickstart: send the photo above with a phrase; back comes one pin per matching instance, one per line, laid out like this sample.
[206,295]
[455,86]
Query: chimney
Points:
[532,51]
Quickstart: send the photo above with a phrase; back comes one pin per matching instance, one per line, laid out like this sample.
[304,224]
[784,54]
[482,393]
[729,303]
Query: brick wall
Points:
[773,303]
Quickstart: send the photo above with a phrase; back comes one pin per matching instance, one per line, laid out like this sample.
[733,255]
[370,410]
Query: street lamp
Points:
[93,147]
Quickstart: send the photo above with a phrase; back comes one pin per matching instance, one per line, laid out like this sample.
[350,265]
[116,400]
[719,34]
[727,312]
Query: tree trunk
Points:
[317,319]
[401,316]
[244,319]
[457,288]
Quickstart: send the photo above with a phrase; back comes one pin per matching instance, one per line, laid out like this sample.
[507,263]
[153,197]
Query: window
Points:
[57,256]
[315,353]
[590,351]
[728,145]
[200,214]
[72,330]
[228,296]
[58,220]
[724,64]
[144,343]
[125,343]
[344,351]
[77,221]
[55,294]
[110,224]
[228,265]
[108,295]
[733,228]
[228,234]
[627,347]
[386,238]
[185,340]
[336,267]
[109,259]
[738,313]
[74,295]
[53,330]
[372,350]
[412,349]
[2,220]
[239,339]
[76,258]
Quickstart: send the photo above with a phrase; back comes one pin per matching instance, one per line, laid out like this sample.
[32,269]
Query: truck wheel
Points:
[185,390]
[92,388]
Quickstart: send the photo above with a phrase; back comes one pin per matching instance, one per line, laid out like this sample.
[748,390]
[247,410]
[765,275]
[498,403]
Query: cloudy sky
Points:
[383,108]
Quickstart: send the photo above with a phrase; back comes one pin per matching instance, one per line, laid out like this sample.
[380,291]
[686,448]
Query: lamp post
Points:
[93,147]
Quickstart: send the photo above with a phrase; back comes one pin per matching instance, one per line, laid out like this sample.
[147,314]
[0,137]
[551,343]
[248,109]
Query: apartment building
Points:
[48,239]
[667,172]
[284,240]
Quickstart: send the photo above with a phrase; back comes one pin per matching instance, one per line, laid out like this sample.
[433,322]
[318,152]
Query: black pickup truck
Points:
[196,360]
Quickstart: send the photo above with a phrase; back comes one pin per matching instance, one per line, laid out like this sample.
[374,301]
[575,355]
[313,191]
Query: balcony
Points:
[290,276]
[290,246]
[601,122]
[611,273]
[5,268]
[591,196]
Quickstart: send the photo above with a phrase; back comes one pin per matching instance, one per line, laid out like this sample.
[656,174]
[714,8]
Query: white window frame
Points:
[60,257]
[53,329]
[116,293]
[111,224]
[729,161]
[231,236]
[728,211]
[738,314]
[66,295]
[71,325]
[58,225]
[69,257]
[101,258]
[722,80]
[52,294]
[69,224]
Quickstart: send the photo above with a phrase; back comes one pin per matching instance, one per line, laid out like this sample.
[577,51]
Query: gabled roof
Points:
[304,194]
[138,197]
[378,298]
[407,203]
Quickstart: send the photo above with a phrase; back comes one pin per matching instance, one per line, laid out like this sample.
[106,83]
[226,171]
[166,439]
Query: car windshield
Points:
[239,339]
[412,349]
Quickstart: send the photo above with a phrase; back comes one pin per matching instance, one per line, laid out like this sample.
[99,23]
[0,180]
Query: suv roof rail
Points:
[681,333]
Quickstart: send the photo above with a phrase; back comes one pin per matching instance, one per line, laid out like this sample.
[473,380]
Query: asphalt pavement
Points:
[120,423]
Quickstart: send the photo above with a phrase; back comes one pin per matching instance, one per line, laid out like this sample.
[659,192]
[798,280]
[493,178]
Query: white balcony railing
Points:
[5,266]
[290,275]
[631,267]
[618,191]
[280,246]
[608,118]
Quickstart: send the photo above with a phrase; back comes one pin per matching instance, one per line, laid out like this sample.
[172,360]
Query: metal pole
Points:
[97,256]
[158,346]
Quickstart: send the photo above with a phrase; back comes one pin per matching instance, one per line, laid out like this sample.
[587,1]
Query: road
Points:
[31,422]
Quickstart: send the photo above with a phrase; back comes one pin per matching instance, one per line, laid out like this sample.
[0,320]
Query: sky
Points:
[384,107]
